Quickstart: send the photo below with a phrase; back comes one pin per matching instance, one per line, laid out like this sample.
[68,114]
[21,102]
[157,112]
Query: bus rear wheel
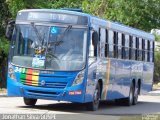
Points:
[136,92]
[29,101]
[93,106]
[129,100]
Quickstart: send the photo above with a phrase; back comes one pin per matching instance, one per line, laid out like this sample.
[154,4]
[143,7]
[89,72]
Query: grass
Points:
[141,117]
[131,118]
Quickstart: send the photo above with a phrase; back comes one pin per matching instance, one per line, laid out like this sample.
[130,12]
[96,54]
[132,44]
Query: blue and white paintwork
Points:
[115,75]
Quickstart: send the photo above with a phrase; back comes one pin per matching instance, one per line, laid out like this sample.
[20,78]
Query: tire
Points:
[29,101]
[136,92]
[93,106]
[129,100]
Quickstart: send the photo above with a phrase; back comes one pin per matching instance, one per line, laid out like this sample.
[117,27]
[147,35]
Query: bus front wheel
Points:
[29,101]
[93,106]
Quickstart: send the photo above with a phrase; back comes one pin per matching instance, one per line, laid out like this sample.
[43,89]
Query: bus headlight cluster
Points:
[11,73]
[79,79]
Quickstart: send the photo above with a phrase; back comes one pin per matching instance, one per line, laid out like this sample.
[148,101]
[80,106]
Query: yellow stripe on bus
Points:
[35,80]
[107,80]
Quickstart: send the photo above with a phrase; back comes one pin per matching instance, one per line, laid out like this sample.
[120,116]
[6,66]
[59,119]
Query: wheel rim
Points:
[136,95]
[131,96]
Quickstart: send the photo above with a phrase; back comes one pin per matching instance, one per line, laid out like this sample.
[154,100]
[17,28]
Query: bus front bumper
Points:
[72,94]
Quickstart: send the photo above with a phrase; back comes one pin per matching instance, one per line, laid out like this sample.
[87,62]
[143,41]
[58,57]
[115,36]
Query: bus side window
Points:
[137,48]
[115,39]
[126,46]
[151,51]
[102,41]
[106,44]
[91,48]
[148,52]
[111,53]
[140,50]
[134,49]
[120,45]
[143,49]
[130,46]
[94,44]
[123,46]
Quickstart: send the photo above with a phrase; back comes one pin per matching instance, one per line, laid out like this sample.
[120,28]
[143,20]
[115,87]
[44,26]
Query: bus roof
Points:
[101,22]
[56,10]
[122,28]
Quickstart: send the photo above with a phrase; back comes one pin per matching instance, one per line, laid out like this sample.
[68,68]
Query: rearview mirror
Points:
[9,29]
[95,39]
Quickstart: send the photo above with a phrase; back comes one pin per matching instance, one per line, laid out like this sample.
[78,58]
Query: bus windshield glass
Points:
[49,47]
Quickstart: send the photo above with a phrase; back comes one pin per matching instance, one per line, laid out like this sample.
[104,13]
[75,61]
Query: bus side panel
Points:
[146,86]
[107,93]
[13,88]
[101,70]
[137,71]
[117,76]
[126,78]
[122,79]
[91,81]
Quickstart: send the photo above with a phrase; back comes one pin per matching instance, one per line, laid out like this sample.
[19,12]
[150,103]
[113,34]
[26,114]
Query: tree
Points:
[156,33]
[4,17]
[142,14]
[56,4]
[95,7]
[16,5]
[4,44]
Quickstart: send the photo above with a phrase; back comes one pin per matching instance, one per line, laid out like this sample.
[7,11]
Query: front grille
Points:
[44,94]
[47,82]
[58,85]
[32,77]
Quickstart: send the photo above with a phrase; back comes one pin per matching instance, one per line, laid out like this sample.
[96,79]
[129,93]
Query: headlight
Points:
[11,73]
[79,79]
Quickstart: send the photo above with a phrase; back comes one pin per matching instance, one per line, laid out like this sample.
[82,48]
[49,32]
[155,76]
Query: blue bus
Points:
[68,55]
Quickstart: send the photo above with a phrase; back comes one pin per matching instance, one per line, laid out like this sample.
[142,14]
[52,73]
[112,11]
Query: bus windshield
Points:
[49,47]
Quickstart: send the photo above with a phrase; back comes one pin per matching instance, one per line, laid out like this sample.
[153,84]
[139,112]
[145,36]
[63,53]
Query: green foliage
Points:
[157,67]
[95,7]
[4,45]
[56,4]
[4,16]
[157,36]
[142,14]
[16,5]
[157,57]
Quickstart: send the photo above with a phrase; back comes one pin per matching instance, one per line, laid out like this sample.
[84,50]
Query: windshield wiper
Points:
[37,33]
[60,39]
[66,31]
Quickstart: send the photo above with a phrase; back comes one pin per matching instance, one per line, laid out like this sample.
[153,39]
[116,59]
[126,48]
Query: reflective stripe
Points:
[106,81]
